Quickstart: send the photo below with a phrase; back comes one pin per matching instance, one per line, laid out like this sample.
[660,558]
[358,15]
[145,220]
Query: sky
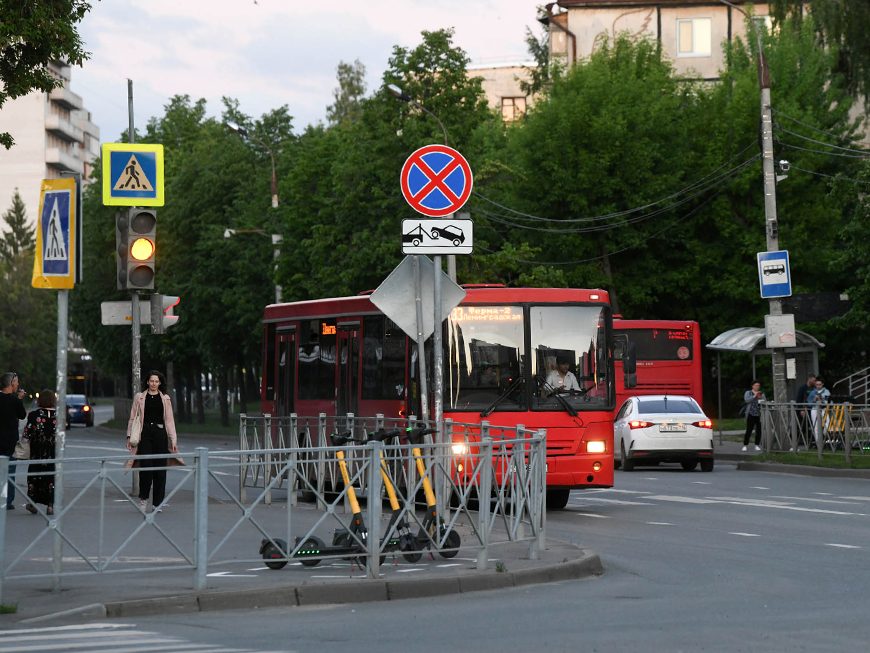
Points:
[268,53]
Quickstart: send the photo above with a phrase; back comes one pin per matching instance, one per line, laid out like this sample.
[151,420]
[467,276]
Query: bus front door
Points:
[348,369]
[285,391]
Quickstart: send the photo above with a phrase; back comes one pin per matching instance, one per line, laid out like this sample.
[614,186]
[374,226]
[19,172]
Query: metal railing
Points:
[857,385]
[494,494]
[821,427]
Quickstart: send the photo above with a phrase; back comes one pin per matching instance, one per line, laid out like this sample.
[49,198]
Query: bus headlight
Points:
[460,449]
[595,446]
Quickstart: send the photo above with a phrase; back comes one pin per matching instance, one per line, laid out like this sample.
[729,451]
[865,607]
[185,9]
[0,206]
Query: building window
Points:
[513,108]
[764,23]
[695,37]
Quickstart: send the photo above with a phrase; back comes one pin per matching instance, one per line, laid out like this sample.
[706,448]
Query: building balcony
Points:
[66,98]
[62,160]
[89,128]
[63,129]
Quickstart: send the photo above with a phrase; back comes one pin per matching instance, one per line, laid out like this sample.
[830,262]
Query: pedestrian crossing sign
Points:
[57,242]
[132,174]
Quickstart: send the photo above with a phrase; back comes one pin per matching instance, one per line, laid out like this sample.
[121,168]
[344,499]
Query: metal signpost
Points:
[57,265]
[436,181]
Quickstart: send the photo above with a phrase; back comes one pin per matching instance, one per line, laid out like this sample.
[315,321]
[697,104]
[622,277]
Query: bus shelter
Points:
[801,360]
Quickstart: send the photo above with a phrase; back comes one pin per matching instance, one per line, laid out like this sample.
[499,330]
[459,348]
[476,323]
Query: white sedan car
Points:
[663,428]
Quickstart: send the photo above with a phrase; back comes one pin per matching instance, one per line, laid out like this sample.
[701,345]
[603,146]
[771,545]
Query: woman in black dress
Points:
[40,431]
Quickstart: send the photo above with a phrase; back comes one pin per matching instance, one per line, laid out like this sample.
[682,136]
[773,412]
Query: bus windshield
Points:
[486,359]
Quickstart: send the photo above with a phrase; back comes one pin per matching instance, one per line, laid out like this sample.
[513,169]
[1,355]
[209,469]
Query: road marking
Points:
[228,574]
[818,500]
[659,523]
[824,494]
[407,571]
[615,491]
[620,503]
[592,514]
[758,487]
[452,564]
[702,483]
[775,504]
[664,497]
[265,568]
[746,534]
[843,546]
[857,498]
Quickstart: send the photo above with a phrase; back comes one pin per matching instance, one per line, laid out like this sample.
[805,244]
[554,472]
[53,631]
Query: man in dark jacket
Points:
[802,397]
[11,411]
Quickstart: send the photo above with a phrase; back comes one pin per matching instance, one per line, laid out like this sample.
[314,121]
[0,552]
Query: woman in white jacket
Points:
[157,435]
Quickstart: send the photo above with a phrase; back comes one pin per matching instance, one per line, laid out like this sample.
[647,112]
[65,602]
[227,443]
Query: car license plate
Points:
[672,428]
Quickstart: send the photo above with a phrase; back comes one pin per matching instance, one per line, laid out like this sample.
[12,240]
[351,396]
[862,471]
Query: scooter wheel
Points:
[306,552]
[272,554]
[410,552]
[453,541]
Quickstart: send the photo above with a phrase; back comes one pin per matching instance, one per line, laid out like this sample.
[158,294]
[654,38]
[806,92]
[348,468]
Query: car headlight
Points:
[595,446]
[460,449]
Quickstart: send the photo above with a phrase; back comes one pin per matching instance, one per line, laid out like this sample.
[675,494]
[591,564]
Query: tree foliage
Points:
[350,92]
[32,34]
[28,328]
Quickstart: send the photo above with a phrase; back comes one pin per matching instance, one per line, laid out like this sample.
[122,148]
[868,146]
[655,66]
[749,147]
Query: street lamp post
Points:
[241,131]
[780,390]
[277,239]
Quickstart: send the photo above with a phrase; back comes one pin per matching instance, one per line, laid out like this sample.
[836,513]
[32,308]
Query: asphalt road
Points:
[728,561]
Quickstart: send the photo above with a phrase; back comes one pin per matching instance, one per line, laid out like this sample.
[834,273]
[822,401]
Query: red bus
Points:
[502,347]
[668,358]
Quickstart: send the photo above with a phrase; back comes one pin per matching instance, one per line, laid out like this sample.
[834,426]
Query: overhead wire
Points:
[813,140]
[619,251]
[806,149]
[821,131]
[619,213]
[822,174]
[625,223]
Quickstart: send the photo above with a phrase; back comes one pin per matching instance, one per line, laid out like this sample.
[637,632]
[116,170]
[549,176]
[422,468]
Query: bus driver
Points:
[560,379]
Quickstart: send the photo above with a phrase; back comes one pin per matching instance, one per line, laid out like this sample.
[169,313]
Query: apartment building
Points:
[501,84]
[53,133]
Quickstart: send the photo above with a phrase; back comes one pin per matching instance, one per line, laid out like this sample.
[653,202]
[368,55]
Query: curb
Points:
[587,565]
[804,470]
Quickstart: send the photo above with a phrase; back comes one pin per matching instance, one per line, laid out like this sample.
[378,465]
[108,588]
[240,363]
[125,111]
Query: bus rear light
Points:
[704,424]
[638,424]
[595,446]
[459,467]
[596,466]
[460,449]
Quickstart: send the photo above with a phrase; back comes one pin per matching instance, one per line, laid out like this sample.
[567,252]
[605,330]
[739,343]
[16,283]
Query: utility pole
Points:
[780,391]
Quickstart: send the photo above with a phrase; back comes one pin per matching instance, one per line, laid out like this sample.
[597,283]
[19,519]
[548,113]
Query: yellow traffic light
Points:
[142,249]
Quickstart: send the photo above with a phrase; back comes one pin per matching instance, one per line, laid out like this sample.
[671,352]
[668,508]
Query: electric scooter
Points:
[353,541]
[434,529]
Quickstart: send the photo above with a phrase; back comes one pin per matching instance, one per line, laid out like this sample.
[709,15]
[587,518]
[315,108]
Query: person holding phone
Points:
[11,412]
[753,414]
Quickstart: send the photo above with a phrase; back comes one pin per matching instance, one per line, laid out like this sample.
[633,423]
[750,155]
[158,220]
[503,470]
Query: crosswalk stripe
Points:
[843,546]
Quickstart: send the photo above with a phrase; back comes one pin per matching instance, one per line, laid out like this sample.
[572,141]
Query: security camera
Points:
[784,165]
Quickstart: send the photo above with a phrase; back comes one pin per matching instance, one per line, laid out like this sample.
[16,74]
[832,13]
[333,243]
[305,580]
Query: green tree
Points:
[32,34]
[842,26]
[20,237]
[349,94]
[28,330]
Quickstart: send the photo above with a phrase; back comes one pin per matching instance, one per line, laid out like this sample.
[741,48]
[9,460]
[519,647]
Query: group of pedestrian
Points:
[150,430]
[36,444]
[810,399]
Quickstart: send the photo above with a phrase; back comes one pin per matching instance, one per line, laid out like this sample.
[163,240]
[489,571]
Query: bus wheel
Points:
[557,499]
[627,465]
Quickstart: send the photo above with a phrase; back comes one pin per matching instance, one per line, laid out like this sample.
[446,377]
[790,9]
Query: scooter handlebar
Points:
[415,436]
[338,439]
[383,435]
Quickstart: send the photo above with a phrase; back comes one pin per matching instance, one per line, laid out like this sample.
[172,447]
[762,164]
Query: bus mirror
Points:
[630,381]
[629,360]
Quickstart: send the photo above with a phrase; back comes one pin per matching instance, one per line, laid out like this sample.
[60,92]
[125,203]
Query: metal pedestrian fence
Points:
[822,427]
[492,487]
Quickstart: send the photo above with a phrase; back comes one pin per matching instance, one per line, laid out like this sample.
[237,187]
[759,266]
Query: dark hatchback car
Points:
[79,410]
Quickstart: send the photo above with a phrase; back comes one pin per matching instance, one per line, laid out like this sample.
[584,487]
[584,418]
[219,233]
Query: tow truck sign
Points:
[448,236]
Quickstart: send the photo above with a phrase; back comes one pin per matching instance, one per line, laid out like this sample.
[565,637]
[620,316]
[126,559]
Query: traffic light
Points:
[121,222]
[141,249]
[162,314]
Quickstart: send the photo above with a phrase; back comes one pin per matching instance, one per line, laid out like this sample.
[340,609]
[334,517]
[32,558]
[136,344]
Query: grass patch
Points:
[8,608]
[730,424]
[811,459]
